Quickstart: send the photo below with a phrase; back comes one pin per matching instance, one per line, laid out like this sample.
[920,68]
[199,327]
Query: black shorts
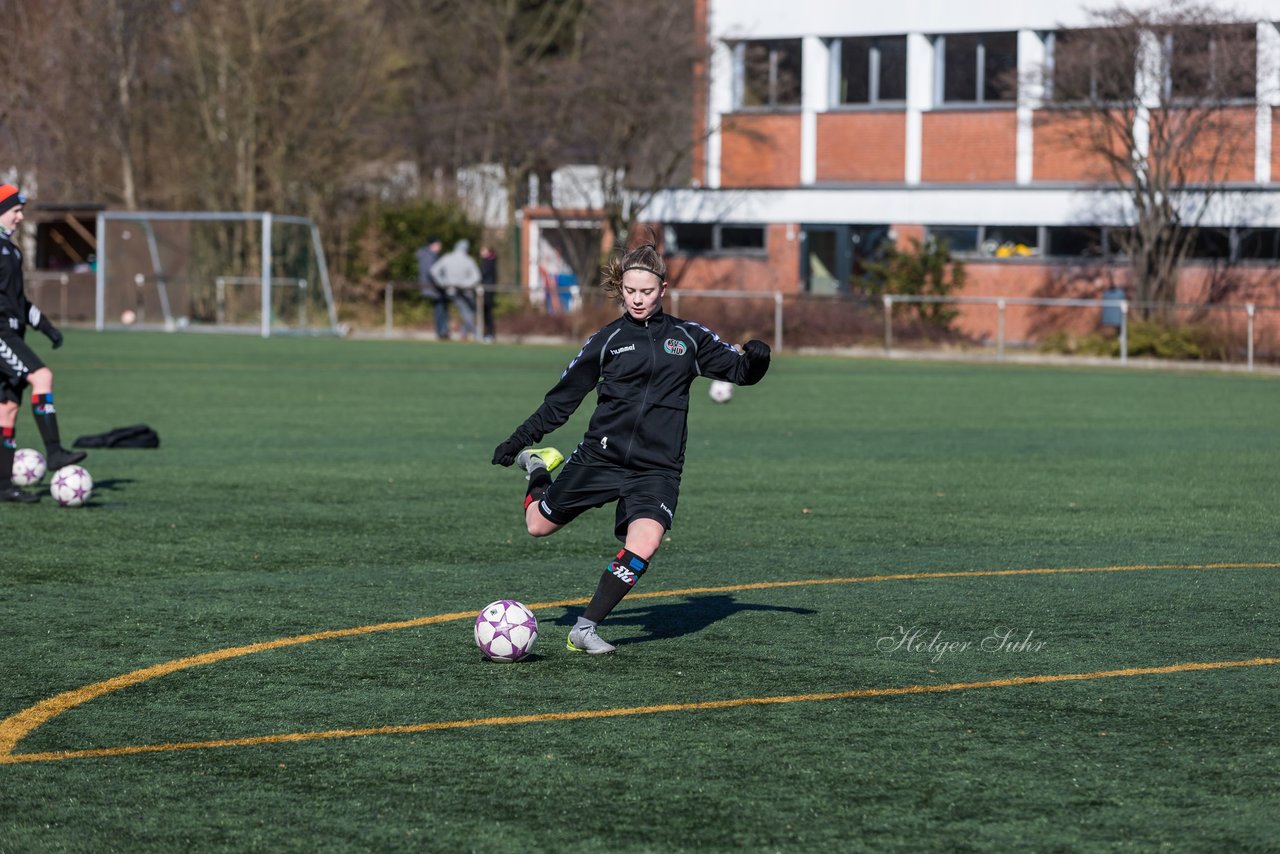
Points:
[585,483]
[17,362]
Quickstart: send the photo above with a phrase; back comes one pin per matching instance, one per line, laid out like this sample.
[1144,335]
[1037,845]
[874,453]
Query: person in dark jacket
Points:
[426,256]
[19,365]
[489,279]
[641,367]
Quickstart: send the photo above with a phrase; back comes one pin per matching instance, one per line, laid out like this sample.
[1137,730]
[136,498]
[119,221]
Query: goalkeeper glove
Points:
[41,322]
[757,356]
[505,454]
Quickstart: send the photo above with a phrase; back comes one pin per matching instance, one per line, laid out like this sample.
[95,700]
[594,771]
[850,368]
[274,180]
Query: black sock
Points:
[618,579]
[47,422]
[539,480]
[7,450]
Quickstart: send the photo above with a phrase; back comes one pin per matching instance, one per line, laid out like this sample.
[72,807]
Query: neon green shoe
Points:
[533,458]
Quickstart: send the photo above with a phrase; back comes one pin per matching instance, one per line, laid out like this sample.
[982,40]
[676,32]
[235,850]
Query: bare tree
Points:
[303,105]
[74,103]
[630,101]
[1160,101]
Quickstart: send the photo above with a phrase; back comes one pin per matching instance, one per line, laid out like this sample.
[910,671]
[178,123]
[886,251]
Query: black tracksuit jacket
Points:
[16,311]
[641,371]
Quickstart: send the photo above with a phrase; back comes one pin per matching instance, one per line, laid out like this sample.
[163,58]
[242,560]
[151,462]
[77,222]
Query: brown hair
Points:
[644,257]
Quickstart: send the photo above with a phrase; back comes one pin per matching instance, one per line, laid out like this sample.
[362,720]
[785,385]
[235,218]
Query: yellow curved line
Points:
[591,714]
[18,726]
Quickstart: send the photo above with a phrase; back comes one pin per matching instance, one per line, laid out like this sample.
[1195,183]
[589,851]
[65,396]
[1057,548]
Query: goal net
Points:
[248,272]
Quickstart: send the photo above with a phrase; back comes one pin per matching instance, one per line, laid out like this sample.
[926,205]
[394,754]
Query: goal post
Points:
[250,272]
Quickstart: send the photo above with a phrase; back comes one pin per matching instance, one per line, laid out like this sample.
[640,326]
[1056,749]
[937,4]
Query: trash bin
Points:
[1111,314]
[567,289]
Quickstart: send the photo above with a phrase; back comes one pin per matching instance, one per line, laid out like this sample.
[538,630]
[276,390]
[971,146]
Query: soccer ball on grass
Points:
[506,630]
[71,486]
[28,466]
[720,391]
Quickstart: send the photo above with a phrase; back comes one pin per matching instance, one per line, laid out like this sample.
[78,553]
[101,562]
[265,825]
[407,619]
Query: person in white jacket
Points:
[458,274]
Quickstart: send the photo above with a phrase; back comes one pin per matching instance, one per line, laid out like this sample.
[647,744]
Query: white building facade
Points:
[827,127]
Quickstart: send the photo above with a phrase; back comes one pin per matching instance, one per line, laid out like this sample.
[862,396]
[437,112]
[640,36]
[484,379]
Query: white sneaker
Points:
[532,458]
[586,640]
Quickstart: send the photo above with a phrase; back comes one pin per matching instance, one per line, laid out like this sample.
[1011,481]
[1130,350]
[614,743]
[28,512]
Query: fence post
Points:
[479,313]
[1000,330]
[1124,331]
[387,308]
[777,321]
[1249,309]
[888,324]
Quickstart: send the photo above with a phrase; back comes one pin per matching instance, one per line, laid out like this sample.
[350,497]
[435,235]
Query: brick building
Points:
[825,128]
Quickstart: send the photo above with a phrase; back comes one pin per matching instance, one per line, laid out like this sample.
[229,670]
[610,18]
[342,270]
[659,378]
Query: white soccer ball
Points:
[506,630]
[128,317]
[720,391]
[71,486]
[28,466]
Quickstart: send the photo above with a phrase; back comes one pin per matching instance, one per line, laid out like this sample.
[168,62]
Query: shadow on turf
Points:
[673,620]
[115,484]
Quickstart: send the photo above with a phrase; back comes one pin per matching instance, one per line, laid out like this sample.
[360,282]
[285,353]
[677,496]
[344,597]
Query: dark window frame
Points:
[983,43]
[1098,86]
[987,246]
[1214,36]
[876,49]
[1230,243]
[774,98]
[717,242]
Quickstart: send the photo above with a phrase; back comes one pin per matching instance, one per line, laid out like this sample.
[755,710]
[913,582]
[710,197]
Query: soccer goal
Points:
[243,272]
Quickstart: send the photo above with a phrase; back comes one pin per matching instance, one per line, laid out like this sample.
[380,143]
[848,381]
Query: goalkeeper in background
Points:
[19,365]
[641,367]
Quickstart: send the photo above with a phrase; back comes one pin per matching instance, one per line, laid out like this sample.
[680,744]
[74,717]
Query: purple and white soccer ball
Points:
[506,630]
[28,466]
[71,486]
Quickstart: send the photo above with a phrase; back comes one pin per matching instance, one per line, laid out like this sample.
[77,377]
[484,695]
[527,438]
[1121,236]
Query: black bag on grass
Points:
[134,436]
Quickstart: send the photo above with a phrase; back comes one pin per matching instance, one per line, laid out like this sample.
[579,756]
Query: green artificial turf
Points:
[310,485]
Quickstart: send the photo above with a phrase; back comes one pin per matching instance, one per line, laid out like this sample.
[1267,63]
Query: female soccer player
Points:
[641,366]
[19,365]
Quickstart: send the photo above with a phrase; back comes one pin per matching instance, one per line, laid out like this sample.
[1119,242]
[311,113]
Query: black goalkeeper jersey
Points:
[13,300]
[641,371]
[16,311]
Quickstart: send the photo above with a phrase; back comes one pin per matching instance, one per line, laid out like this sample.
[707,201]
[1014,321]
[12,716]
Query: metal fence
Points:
[1122,309]
[778,311]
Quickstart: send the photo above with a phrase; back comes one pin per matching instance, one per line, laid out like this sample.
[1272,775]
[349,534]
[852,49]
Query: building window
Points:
[1211,244]
[1258,244]
[1213,63]
[960,239]
[1208,243]
[988,241]
[1092,66]
[738,238]
[978,68]
[1075,241]
[872,70]
[701,238]
[768,73]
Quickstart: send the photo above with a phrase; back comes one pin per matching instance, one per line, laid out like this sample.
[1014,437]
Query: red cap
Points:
[10,198]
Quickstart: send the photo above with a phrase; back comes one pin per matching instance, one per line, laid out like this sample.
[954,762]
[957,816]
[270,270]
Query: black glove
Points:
[44,326]
[756,350]
[505,454]
[757,356]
